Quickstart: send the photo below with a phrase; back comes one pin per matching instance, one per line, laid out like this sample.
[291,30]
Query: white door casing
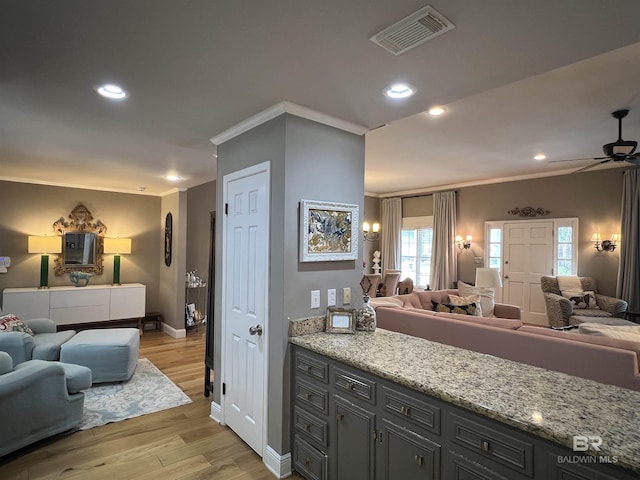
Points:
[244,356]
[528,255]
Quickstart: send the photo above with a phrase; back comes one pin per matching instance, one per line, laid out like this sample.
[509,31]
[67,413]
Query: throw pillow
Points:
[580,299]
[469,300]
[487,296]
[446,308]
[11,323]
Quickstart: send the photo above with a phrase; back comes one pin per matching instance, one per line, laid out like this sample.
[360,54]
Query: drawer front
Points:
[311,396]
[127,302]
[354,385]
[312,366]
[311,463]
[79,298]
[72,315]
[458,467]
[310,425]
[415,412]
[499,446]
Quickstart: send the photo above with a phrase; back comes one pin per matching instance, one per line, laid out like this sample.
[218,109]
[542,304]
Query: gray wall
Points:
[308,161]
[29,209]
[172,278]
[371,215]
[593,197]
[201,201]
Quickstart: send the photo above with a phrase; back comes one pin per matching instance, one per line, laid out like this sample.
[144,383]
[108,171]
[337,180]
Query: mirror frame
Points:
[80,220]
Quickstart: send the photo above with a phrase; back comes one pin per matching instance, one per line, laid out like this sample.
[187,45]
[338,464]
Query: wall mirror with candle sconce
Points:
[82,242]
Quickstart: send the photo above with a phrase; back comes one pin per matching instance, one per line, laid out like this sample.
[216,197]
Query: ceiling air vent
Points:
[413,30]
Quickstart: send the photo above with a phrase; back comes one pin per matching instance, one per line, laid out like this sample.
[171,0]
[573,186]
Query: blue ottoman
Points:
[110,353]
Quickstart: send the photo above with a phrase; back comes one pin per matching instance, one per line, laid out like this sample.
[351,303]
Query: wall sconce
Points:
[45,246]
[371,236]
[466,243]
[605,245]
[118,246]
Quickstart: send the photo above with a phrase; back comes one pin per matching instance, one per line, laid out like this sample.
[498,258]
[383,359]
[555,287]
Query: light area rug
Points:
[147,391]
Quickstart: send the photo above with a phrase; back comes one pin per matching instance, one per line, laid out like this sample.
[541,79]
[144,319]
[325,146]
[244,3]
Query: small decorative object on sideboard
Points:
[80,279]
[366,316]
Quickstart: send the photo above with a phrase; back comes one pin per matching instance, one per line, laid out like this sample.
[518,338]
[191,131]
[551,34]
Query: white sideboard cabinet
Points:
[75,305]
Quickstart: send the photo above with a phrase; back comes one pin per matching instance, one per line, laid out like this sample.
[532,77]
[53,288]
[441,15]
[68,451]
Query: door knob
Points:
[255,330]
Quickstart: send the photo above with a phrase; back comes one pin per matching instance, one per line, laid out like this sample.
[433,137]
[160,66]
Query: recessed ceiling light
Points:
[111,91]
[399,90]
[540,156]
[173,178]
[436,111]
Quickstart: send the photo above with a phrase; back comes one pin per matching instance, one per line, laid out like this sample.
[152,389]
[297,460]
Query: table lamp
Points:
[488,277]
[119,246]
[44,245]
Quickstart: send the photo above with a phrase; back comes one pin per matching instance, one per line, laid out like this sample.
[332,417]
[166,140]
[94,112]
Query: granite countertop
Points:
[552,405]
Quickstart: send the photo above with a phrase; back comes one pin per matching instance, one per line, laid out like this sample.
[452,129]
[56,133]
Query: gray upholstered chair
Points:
[39,399]
[44,345]
[561,312]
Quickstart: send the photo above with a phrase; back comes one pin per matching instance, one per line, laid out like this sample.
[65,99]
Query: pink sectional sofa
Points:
[602,359]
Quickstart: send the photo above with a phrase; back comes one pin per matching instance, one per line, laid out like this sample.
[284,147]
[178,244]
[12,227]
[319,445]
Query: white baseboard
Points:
[216,412]
[173,332]
[279,465]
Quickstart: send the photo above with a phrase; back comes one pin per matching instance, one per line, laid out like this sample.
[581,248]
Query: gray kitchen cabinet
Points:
[354,445]
[349,424]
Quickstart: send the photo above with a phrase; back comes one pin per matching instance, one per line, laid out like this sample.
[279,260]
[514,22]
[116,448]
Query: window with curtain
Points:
[416,247]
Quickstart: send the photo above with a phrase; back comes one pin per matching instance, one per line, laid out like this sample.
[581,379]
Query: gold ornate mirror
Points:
[82,242]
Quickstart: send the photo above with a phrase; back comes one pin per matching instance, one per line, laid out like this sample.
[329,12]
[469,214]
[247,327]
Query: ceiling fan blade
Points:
[577,159]
[588,167]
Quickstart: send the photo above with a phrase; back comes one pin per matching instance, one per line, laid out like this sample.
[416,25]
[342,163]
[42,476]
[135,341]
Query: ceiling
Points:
[516,78]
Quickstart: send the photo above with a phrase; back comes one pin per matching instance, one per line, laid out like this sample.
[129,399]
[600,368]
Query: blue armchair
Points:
[44,345]
[39,399]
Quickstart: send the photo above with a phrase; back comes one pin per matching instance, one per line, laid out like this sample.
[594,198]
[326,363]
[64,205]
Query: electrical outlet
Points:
[315,298]
[346,296]
[331,297]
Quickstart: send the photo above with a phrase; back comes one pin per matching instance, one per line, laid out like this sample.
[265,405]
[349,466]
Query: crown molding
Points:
[287,107]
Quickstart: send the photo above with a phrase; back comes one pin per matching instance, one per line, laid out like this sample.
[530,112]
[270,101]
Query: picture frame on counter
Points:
[340,320]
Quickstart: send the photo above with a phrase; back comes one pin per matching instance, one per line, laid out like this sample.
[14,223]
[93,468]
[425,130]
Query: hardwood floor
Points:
[179,443]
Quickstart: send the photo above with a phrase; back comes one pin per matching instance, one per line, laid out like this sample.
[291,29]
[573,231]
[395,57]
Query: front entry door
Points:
[528,255]
[245,312]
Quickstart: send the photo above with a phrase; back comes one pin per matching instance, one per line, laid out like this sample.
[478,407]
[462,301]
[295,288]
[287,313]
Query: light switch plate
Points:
[331,297]
[346,296]
[315,298]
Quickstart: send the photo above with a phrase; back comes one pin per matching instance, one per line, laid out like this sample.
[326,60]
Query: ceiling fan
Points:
[618,151]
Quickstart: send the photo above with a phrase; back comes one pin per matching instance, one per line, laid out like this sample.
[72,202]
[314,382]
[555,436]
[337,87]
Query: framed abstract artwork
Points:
[328,231]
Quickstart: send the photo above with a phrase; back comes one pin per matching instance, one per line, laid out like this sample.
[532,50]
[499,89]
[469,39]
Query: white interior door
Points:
[245,322]
[528,255]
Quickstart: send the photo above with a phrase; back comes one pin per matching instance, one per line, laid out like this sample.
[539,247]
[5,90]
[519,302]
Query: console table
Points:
[77,305]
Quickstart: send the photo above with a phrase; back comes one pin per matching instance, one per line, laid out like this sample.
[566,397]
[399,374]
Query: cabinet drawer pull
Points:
[339,417]
[419,459]
[307,396]
[306,462]
[306,427]
[484,445]
[351,386]
[405,410]
[307,368]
